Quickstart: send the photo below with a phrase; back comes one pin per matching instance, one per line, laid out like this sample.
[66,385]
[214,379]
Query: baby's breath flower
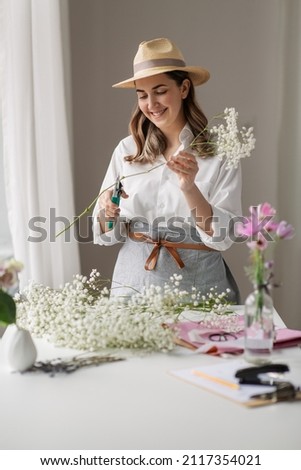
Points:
[82,315]
[230,143]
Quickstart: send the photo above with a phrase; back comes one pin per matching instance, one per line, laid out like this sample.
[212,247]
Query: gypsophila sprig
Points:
[212,311]
[230,143]
[233,144]
[82,314]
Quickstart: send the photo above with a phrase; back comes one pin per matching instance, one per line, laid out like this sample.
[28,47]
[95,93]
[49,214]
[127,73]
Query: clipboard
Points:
[220,379]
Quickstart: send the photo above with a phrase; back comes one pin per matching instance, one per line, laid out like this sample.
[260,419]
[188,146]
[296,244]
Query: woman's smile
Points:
[157,114]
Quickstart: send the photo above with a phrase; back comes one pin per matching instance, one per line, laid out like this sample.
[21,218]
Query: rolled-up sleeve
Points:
[225,200]
[111,237]
[118,232]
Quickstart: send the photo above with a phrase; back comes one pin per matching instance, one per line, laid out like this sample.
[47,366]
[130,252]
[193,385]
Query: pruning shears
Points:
[115,197]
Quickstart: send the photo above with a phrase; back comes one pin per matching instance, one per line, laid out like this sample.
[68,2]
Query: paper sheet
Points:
[191,334]
[225,371]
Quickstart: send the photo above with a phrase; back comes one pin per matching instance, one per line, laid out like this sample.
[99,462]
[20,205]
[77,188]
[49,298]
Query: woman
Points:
[178,199]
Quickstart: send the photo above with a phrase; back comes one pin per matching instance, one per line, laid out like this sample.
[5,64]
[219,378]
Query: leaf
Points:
[7,309]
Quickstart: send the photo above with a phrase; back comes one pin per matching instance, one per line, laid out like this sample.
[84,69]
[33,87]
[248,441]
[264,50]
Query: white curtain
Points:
[37,157]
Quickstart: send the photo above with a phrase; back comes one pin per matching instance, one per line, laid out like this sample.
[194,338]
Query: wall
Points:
[288,255]
[237,40]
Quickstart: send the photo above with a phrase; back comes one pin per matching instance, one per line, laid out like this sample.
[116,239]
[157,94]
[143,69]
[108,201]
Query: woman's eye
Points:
[161,92]
[142,97]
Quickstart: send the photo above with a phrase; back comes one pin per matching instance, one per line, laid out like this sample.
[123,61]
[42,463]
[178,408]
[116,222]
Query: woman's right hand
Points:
[109,211]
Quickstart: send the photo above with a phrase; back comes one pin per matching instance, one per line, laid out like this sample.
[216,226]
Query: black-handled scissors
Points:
[285,391]
[251,375]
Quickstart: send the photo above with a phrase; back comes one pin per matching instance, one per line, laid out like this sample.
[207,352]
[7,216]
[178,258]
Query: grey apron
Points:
[203,269]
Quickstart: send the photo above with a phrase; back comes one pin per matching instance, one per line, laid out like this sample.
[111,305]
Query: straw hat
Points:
[160,56]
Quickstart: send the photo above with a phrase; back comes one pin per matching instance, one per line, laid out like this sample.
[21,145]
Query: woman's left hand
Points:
[184,164]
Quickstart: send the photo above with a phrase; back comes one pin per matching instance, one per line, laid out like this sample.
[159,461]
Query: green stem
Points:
[218,116]
[90,206]
[259,279]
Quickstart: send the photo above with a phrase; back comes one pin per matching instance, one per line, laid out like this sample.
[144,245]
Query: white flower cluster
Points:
[83,316]
[231,143]
[214,312]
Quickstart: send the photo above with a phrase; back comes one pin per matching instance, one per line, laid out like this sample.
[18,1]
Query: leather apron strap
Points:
[171,247]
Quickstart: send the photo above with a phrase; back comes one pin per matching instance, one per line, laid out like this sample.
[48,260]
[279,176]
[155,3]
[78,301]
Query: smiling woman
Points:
[175,219]
[169,103]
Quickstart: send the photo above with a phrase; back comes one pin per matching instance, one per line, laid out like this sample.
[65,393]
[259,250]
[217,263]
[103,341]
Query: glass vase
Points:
[259,327]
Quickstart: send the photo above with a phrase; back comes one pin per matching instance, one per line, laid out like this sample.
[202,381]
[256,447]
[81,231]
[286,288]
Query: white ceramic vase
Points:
[18,348]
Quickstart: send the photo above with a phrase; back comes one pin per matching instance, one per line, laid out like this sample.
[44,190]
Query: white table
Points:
[137,404]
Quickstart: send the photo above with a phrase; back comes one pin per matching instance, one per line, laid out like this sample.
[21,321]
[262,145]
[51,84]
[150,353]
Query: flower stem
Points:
[259,280]
[206,129]
[90,206]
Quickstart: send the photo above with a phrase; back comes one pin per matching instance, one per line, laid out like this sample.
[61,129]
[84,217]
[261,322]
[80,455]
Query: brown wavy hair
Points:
[150,140]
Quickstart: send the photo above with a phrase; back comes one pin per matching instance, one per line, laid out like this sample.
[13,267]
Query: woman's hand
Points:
[109,211]
[185,166]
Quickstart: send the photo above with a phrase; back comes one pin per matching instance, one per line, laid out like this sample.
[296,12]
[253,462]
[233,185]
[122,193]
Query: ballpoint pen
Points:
[115,198]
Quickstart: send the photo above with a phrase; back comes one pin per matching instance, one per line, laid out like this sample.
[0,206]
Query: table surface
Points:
[138,404]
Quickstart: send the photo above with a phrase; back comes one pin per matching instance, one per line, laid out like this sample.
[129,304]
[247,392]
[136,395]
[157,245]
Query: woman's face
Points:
[161,100]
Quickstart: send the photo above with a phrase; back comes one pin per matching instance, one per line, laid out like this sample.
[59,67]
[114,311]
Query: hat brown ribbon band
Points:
[148,64]
[171,247]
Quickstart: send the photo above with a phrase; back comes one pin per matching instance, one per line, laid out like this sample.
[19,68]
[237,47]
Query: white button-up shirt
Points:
[157,194]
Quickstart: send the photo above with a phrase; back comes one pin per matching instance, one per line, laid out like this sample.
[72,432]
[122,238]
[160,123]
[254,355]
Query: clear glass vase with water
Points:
[259,327]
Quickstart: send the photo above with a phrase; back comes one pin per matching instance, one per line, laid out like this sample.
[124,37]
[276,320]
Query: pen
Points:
[217,380]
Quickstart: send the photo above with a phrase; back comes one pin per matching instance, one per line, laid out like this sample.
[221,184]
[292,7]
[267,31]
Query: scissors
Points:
[115,197]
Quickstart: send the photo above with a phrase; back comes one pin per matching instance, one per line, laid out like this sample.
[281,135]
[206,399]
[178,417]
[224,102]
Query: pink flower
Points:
[260,221]
[261,228]
[269,264]
[271,226]
[246,229]
[9,270]
[260,243]
[284,230]
[265,210]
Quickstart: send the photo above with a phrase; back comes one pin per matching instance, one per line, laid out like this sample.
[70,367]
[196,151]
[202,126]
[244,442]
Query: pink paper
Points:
[287,338]
[216,342]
